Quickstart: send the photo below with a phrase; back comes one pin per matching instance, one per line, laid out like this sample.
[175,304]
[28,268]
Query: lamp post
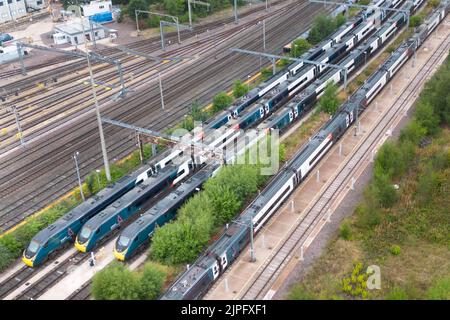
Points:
[75,155]
[98,178]
[94,94]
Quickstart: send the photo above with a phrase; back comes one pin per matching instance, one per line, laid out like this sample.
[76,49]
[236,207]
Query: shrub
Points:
[426,117]
[115,282]
[182,240]
[345,231]
[6,257]
[239,89]
[221,101]
[329,101]
[299,46]
[151,281]
[415,21]
[412,132]
[356,284]
[395,250]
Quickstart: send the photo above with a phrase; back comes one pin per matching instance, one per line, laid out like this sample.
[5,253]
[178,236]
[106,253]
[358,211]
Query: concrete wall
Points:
[12,9]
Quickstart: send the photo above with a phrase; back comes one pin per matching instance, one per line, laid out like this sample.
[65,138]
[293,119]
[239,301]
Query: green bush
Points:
[415,21]
[239,89]
[115,282]
[395,250]
[182,240]
[425,116]
[385,191]
[355,284]
[323,26]
[413,132]
[299,46]
[221,101]
[329,101]
[151,281]
[6,256]
[345,231]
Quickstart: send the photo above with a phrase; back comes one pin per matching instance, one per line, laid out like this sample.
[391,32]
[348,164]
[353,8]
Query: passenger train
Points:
[66,228]
[194,282]
[276,121]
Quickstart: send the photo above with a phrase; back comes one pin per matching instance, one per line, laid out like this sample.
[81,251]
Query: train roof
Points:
[168,202]
[79,211]
[130,197]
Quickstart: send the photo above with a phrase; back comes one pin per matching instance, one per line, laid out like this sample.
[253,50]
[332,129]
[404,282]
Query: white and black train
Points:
[194,283]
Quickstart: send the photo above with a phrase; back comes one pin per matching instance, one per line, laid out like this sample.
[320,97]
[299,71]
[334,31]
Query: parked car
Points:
[5,37]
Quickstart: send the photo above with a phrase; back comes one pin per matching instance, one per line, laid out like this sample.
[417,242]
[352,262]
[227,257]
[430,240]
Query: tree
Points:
[175,7]
[197,113]
[151,281]
[299,46]
[224,201]
[415,21]
[339,20]
[67,3]
[323,25]
[329,102]
[182,240]
[426,117]
[389,161]
[115,282]
[136,5]
[413,132]
[239,89]
[221,101]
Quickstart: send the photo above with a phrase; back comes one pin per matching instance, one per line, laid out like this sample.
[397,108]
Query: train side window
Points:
[45,245]
[97,231]
[136,239]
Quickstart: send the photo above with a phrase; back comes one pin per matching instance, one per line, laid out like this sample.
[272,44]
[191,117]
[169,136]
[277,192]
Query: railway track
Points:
[271,269]
[154,42]
[40,162]
[39,287]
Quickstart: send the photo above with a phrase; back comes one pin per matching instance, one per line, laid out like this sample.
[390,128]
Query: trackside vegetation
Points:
[117,282]
[402,222]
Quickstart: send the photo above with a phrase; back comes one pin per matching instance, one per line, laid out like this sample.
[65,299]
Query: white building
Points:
[95,7]
[72,32]
[35,5]
[12,9]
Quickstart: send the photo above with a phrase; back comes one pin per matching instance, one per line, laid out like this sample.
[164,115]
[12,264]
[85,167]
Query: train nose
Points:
[119,255]
[27,261]
[80,247]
